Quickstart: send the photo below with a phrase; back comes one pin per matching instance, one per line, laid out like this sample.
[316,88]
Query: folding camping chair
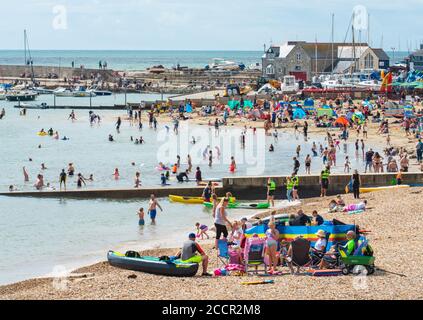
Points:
[254,254]
[300,253]
[222,252]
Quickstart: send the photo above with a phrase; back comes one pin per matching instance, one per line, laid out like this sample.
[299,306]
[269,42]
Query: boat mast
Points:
[333,21]
[315,53]
[25,47]
[353,65]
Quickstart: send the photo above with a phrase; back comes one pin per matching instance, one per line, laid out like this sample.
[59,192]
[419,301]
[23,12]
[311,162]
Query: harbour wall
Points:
[250,188]
[16,71]
[244,188]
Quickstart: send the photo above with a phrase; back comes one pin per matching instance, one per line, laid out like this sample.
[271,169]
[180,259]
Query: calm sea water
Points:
[127,60]
[139,60]
[38,235]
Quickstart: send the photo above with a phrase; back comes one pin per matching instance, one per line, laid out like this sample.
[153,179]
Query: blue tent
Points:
[188,108]
[298,113]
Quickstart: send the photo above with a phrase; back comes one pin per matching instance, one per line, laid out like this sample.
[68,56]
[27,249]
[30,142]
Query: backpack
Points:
[132,254]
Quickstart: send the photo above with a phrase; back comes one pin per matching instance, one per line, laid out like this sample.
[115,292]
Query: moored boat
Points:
[21,96]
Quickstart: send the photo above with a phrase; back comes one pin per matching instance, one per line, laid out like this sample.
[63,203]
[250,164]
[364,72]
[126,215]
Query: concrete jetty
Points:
[244,188]
[133,193]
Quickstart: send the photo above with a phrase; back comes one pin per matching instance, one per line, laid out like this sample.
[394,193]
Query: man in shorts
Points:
[188,254]
[152,208]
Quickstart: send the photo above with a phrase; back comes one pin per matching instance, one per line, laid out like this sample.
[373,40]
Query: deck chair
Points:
[254,254]
[222,252]
[318,256]
[300,253]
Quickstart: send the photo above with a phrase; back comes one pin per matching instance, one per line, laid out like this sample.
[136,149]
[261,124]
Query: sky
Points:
[202,25]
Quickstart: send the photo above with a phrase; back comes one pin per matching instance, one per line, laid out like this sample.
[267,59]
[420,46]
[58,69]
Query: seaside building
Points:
[306,59]
[416,59]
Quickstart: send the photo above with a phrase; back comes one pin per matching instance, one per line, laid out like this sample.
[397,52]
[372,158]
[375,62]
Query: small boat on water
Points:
[21,96]
[32,106]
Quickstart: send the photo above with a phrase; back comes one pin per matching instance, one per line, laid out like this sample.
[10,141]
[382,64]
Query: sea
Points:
[140,59]
[47,236]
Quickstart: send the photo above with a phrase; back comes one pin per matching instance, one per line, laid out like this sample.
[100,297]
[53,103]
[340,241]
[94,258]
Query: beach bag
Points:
[368,251]
[132,254]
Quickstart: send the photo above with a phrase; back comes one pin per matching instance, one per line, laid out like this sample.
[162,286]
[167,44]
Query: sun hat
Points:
[321,233]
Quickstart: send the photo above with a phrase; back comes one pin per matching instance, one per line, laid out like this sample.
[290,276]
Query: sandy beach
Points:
[395,225]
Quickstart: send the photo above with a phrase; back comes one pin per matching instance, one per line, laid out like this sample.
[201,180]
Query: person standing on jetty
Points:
[271,187]
[152,208]
[62,179]
[324,181]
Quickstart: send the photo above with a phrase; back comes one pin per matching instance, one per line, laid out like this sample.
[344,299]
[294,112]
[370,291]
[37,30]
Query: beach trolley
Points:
[153,265]
[357,259]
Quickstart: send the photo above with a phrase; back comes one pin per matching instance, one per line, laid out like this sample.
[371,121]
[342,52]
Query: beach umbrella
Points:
[309,102]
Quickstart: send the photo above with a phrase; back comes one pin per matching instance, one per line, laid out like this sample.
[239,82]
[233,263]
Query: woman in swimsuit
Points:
[272,239]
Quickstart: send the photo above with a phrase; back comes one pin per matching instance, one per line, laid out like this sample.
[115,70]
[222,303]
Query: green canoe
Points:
[239,205]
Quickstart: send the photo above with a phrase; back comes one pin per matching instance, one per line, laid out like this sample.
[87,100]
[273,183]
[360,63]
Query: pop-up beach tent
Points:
[188,108]
[326,111]
[233,104]
[358,116]
[342,121]
[337,233]
[298,113]
[248,104]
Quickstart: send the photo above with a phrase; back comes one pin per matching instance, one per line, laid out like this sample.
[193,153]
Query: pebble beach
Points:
[394,222]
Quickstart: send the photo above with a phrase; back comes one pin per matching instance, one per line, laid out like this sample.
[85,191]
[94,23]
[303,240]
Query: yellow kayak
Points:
[193,200]
[366,190]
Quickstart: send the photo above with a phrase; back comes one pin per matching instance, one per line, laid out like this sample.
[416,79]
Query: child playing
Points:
[141,216]
[201,230]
